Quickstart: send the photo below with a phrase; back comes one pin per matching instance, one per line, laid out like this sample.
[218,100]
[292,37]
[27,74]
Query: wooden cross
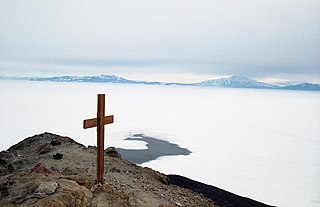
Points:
[99,122]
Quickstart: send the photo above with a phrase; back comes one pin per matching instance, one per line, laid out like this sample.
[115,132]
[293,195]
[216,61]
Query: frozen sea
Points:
[262,144]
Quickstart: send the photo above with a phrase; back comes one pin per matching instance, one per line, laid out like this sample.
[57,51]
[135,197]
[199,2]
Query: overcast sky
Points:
[168,39]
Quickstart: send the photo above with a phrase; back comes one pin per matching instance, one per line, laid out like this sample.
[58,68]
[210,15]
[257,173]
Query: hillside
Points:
[30,176]
[51,170]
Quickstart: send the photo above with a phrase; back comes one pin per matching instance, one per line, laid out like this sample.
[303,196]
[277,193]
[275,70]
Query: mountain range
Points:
[230,82]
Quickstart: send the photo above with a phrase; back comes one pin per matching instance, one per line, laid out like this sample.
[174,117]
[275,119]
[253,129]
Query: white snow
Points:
[263,144]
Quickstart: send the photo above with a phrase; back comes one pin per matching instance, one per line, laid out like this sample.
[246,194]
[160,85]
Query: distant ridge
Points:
[235,82]
[304,86]
[230,82]
[100,78]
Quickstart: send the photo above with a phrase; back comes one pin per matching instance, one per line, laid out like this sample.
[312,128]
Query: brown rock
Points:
[44,148]
[112,152]
[47,187]
[40,168]
[69,193]
[68,171]
[56,141]
[106,196]
[80,180]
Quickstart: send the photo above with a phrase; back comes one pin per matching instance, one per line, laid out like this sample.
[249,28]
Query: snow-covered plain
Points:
[263,144]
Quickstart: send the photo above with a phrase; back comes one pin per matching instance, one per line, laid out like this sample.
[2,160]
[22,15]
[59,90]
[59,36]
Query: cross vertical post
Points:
[99,122]
[100,137]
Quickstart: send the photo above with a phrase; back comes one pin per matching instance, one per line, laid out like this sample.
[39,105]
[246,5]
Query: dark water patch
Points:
[156,148]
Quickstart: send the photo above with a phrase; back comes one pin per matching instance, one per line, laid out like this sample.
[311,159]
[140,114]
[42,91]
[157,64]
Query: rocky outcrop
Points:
[221,197]
[31,176]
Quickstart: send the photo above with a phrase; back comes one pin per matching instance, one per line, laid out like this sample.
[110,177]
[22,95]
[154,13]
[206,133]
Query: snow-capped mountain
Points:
[100,78]
[286,83]
[230,82]
[235,82]
[303,86]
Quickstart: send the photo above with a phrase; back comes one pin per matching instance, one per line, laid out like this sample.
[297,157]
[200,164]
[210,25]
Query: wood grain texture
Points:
[89,123]
[99,122]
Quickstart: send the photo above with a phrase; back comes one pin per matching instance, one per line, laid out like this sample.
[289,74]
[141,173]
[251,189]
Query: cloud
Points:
[247,37]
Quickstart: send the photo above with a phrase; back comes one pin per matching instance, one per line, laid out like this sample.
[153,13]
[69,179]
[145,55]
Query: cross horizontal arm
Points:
[89,123]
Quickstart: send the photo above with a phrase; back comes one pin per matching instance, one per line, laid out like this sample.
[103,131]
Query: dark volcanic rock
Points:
[221,197]
[4,187]
[3,161]
[58,156]
[56,141]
